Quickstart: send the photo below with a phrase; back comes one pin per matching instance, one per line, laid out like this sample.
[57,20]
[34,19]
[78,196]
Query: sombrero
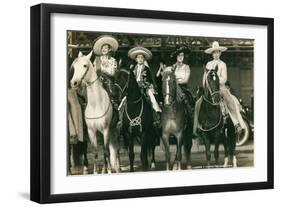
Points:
[215,47]
[180,49]
[139,50]
[105,39]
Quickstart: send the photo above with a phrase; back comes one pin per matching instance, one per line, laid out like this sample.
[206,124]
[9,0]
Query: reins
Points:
[137,120]
[211,103]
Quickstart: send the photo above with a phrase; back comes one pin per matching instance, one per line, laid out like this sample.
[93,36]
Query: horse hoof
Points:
[85,170]
[225,165]
[175,167]
[152,165]
[179,166]
[109,171]
[167,167]
[103,171]
[234,161]
[189,167]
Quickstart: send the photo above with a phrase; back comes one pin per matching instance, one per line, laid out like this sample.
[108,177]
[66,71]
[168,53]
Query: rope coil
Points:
[137,120]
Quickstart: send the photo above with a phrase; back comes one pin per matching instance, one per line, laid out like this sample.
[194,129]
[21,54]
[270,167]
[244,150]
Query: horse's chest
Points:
[99,123]
[171,125]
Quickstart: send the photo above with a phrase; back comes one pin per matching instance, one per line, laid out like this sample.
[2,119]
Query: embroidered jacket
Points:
[105,65]
[143,77]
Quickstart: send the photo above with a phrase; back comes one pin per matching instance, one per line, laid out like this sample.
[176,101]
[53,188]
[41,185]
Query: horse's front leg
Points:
[179,150]
[233,151]
[143,156]
[226,144]
[217,142]
[152,166]
[114,146]
[187,150]
[93,140]
[72,162]
[107,163]
[166,149]
[85,161]
[207,149]
[130,139]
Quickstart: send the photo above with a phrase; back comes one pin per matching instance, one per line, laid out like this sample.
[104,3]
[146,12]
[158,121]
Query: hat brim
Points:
[140,51]
[105,40]
[212,49]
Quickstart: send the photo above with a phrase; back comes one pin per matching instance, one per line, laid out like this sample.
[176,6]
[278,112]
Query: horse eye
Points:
[84,66]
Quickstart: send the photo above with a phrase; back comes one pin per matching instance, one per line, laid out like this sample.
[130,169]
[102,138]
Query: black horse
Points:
[136,120]
[210,117]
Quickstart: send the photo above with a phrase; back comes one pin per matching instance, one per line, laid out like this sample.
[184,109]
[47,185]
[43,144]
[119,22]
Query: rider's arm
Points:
[223,73]
[147,79]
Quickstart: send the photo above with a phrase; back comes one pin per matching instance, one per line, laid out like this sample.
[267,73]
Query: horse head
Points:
[121,81]
[169,87]
[212,87]
[81,66]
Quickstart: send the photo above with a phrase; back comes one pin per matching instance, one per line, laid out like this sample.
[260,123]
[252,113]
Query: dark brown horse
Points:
[174,121]
[213,127]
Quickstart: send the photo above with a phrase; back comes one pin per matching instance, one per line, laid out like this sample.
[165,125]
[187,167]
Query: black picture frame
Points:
[41,99]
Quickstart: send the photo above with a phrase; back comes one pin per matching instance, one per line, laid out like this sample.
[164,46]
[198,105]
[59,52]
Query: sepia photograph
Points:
[133,103]
[149,102]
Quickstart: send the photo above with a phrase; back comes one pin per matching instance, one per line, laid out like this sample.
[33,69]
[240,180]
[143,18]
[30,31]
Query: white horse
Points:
[98,113]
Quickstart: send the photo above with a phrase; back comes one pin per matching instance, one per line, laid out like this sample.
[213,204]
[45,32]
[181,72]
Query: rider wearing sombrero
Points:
[105,64]
[221,68]
[143,75]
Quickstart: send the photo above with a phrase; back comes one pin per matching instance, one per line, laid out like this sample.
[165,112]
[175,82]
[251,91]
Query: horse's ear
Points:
[90,55]
[80,54]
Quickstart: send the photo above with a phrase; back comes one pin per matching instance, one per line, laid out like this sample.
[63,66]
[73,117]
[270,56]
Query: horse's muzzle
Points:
[75,83]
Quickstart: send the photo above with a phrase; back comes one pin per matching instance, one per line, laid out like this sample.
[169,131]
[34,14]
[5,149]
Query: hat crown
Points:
[215,44]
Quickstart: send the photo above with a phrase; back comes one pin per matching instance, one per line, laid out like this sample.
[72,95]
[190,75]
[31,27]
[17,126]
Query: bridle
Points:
[210,91]
[88,84]
[126,85]
[213,104]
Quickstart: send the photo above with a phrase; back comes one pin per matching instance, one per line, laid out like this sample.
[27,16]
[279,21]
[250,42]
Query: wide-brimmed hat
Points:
[103,40]
[179,49]
[215,47]
[139,50]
